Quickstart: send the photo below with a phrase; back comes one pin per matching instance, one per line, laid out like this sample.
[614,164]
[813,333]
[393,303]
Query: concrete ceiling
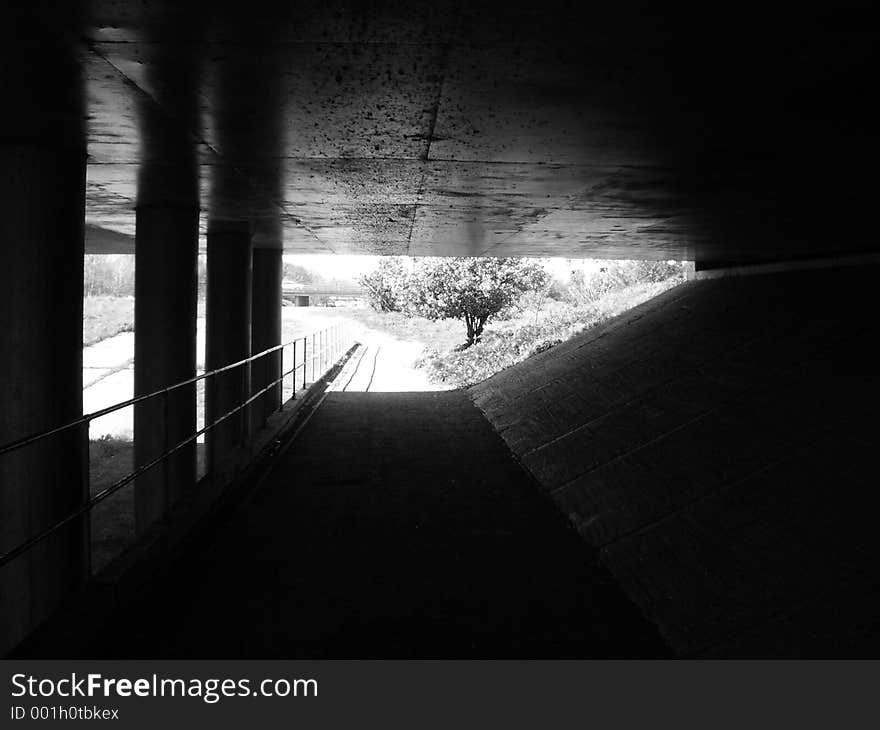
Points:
[452,127]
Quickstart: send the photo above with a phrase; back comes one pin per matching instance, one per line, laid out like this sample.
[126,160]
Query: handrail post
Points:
[209,423]
[166,469]
[243,409]
[305,356]
[293,378]
[87,489]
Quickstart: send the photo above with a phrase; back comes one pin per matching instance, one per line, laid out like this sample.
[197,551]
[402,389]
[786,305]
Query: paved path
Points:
[395,525]
[106,357]
[383,364]
[108,366]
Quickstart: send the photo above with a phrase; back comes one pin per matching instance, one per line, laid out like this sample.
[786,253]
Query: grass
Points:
[105,316]
[113,528]
[110,459]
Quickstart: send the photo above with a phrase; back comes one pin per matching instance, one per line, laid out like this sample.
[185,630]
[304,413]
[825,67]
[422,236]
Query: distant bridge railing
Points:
[320,350]
[320,290]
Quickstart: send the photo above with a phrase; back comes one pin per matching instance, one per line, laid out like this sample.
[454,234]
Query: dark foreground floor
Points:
[396,525]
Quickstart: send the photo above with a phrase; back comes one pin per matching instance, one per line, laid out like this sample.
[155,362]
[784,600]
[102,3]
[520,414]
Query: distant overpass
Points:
[302,294]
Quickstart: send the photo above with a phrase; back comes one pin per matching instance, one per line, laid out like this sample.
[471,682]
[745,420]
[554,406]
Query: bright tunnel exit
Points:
[430,323]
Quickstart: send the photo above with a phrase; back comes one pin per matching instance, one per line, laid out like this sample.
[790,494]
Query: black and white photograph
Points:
[436,330]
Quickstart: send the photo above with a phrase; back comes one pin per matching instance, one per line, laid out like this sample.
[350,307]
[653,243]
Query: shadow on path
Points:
[396,525]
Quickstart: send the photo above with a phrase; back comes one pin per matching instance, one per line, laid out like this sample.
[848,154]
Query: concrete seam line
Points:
[351,377]
[373,371]
[781,267]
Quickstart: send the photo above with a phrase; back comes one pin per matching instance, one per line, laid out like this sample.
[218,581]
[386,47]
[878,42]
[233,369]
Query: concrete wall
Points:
[716,446]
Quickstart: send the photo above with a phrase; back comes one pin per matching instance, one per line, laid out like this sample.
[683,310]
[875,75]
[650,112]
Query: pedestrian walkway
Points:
[108,379]
[394,525]
[107,357]
[383,364]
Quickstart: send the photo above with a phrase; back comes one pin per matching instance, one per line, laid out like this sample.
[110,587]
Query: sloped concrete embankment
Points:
[717,446]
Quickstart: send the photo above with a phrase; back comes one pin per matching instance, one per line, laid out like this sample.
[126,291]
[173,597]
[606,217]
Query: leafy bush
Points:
[583,287]
[386,287]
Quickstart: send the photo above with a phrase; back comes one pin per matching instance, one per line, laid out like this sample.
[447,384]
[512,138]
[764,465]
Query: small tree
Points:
[471,289]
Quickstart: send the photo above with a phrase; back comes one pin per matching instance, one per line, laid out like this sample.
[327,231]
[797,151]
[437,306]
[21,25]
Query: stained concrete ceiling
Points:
[452,127]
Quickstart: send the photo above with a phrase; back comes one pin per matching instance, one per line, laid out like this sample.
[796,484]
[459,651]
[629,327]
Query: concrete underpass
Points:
[692,478]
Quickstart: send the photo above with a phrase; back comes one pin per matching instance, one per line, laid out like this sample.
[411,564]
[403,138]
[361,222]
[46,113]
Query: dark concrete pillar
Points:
[228,336]
[266,330]
[42,194]
[164,353]
[42,219]
[166,271]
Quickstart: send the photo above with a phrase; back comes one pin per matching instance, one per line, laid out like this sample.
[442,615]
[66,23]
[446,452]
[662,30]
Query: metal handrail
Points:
[88,417]
[334,347]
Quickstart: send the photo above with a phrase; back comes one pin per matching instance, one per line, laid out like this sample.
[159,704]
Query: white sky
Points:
[334,266]
[345,266]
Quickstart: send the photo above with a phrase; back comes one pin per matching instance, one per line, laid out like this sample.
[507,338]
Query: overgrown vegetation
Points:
[583,288]
[108,304]
[545,317]
[527,333]
[108,275]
